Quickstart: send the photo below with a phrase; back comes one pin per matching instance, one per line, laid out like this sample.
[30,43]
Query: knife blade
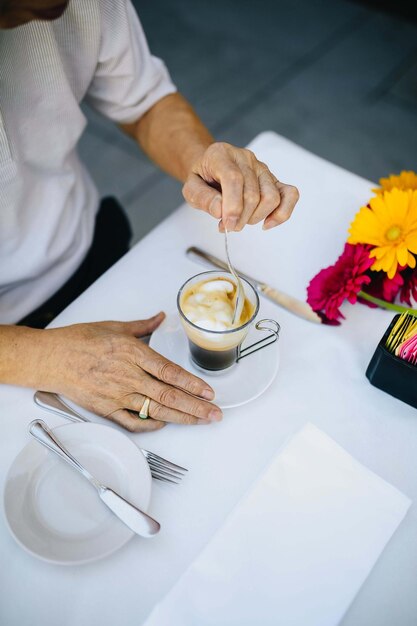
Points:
[140,522]
[284,300]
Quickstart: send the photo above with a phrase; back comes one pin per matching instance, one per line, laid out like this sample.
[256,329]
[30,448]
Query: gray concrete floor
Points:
[338,78]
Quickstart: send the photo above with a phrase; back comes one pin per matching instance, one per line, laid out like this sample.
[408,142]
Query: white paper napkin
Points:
[296,549]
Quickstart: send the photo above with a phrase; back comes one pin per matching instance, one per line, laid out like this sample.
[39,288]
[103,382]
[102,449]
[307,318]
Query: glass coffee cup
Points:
[205,313]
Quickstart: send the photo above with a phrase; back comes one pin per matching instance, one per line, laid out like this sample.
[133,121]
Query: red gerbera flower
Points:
[342,281]
[383,287]
[392,286]
[409,288]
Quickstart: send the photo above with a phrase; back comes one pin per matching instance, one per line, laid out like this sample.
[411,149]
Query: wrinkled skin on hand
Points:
[231,184]
[104,367]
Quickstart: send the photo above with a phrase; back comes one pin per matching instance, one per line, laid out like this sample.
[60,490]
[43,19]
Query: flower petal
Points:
[402,254]
[393,269]
[411,241]
[388,259]
[411,261]
[380,252]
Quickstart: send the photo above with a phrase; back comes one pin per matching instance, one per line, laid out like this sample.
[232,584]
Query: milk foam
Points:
[210,304]
[207,306]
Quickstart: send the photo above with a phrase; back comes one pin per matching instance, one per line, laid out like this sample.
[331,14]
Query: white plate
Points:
[244,381]
[55,514]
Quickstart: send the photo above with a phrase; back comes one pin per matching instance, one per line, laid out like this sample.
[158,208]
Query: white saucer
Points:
[55,514]
[242,382]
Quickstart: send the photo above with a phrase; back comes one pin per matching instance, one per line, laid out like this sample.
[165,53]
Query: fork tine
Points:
[162,467]
[160,459]
[165,479]
[157,470]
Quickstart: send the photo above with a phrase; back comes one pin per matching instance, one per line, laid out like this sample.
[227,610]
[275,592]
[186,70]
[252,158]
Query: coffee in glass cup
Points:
[206,304]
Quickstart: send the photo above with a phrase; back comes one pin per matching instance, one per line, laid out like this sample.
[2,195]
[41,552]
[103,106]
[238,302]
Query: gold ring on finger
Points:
[144,411]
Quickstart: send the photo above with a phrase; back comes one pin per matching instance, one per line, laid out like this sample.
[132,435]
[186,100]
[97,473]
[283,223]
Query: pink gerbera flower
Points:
[342,281]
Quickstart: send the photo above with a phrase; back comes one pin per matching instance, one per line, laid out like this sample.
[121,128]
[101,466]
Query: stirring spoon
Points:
[240,293]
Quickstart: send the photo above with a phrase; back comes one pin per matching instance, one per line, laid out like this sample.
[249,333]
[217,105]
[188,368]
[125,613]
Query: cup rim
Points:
[218,332]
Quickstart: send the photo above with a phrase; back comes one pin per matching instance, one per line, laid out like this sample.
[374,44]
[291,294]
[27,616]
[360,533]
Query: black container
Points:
[392,374]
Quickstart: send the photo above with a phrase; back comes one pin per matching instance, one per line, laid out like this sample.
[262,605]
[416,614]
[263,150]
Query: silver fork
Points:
[161,469]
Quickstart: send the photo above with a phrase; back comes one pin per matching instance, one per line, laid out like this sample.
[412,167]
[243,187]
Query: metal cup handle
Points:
[265,325]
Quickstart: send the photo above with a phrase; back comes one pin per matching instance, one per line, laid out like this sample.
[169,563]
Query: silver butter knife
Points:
[55,404]
[138,521]
[302,309]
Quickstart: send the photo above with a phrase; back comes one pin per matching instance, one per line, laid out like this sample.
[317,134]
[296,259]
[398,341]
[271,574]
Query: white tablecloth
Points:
[321,380]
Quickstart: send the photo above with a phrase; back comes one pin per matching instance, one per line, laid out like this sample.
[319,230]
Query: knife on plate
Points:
[302,309]
[138,521]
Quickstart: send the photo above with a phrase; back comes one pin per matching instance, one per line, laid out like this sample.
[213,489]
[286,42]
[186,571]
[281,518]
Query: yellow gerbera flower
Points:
[405,180]
[390,225]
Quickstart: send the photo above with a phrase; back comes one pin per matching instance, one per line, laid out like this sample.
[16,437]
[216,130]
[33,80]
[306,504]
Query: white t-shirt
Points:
[95,52]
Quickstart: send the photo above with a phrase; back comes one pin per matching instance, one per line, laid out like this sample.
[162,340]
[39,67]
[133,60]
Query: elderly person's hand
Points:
[230,184]
[104,367]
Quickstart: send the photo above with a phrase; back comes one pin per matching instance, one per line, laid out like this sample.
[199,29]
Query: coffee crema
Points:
[209,304]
